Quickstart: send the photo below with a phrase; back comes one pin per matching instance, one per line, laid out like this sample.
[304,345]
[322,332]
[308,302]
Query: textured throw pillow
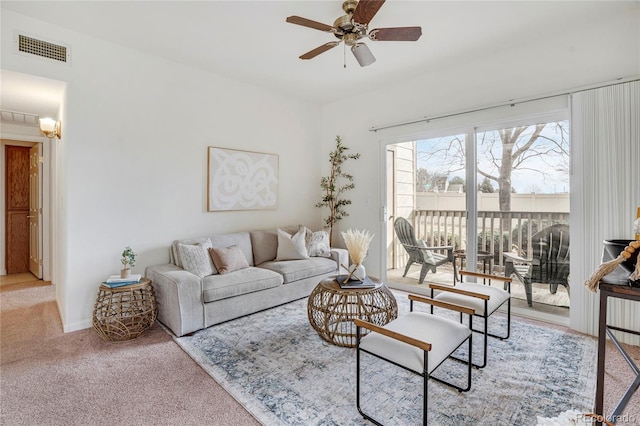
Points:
[428,255]
[196,259]
[228,259]
[317,243]
[292,247]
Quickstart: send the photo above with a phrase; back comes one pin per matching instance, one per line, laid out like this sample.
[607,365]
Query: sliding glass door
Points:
[499,197]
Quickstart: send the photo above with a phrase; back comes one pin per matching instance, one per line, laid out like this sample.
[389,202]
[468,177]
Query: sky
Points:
[545,170]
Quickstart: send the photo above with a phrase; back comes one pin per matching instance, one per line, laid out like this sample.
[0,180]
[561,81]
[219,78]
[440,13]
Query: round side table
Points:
[332,309]
[483,256]
[125,312]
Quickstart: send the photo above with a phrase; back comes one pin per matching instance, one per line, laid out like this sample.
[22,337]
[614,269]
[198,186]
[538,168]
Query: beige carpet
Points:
[52,378]
[48,377]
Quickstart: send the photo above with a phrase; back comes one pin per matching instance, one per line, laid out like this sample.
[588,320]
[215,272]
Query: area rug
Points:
[283,373]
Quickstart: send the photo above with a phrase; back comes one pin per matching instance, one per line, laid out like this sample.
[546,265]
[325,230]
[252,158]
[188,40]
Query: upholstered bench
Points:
[482,298]
[418,342]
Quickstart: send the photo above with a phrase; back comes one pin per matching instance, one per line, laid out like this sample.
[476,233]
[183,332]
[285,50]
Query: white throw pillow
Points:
[317,243]
[427,254]
[196,259]
[292,247]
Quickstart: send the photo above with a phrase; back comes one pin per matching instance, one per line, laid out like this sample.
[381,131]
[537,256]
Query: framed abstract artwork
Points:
[241,180]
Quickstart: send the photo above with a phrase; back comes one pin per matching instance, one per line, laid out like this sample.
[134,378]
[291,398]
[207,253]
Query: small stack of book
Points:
[115,281]
[351,283]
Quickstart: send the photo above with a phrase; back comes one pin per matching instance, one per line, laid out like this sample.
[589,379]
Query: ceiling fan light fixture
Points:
[363,54]
[353,26]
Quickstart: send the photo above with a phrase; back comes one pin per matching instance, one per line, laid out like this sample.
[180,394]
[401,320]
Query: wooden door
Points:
[35,211]
[17,208]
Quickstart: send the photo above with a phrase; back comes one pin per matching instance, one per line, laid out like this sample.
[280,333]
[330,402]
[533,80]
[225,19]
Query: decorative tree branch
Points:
[335,185]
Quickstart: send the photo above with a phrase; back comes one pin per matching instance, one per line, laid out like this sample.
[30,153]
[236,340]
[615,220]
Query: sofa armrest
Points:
[341,257]
[179,296]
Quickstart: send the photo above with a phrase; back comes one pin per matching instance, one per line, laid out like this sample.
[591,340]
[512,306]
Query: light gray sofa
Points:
[187,302]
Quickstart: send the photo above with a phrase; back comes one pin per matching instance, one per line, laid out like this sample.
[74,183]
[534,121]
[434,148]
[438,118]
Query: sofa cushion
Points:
[236,283]
[228,259]
[291,247]
[294,270]
[175,254]
[195,258]
[265,243]
[240,239]
[317,243]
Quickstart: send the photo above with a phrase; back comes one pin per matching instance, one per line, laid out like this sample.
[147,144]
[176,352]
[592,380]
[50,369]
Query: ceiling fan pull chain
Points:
[344,56]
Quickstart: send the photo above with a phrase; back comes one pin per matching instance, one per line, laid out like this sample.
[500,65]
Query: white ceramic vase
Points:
[357,272]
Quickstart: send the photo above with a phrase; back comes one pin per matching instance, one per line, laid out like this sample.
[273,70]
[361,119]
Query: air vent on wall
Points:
[42,48]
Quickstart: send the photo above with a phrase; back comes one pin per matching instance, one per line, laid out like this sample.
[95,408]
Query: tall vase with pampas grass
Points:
[357,243]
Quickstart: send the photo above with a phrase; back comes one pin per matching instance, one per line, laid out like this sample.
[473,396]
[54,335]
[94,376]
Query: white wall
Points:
[132,162]
[603,51]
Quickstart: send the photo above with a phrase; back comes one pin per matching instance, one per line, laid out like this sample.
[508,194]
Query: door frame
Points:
[17,139]
[36,159]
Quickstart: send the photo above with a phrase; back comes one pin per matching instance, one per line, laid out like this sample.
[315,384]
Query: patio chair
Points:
[418,250]
[483,298]
[548,262]
[418,342]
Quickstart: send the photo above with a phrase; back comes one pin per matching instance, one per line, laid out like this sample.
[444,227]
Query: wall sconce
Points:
[50,128]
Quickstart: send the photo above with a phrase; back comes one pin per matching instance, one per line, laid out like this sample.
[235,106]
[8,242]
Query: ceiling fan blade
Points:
[396,34]
[366,10]
[309,23]
[363,54]
[320,49]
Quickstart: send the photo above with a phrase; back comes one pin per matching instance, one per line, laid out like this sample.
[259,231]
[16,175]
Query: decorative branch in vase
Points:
[333,188]
[128,261]
[357,243]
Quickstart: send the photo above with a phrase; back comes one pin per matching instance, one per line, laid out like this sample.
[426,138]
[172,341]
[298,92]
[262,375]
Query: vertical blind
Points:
[605,195]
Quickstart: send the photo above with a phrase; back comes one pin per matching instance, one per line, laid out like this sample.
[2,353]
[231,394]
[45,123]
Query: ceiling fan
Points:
[354,26]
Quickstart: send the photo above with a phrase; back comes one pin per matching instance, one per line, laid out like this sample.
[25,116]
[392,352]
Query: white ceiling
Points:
[251,42]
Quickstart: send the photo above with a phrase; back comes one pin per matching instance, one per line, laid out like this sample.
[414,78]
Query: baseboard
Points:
[80,325]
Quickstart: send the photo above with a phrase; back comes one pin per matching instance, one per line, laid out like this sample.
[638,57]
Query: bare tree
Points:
[505,151]
[422,179]
[518,146]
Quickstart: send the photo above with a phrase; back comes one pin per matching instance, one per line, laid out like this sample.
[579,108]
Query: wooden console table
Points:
[612,286]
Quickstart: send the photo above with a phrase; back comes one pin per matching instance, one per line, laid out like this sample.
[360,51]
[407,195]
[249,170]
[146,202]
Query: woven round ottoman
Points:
[124,313]
[332,309]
